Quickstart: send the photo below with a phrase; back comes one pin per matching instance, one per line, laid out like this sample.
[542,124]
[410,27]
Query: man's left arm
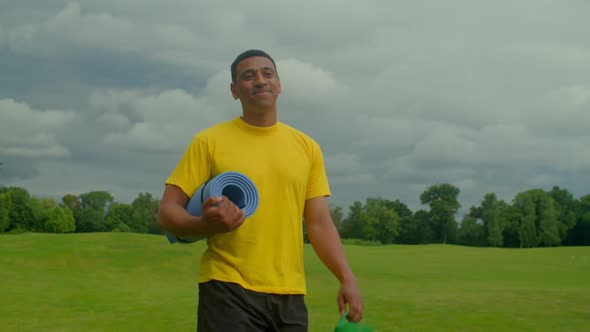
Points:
[326,242]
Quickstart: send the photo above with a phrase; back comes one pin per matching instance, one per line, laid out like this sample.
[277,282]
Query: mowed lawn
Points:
[132,282]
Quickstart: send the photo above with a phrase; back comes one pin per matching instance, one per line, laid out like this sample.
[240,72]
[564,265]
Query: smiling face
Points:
[257,84]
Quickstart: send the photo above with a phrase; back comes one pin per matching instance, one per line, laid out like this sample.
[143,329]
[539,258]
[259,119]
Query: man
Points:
[251,275]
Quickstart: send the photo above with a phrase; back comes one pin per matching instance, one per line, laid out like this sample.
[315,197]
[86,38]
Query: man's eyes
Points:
[268,74]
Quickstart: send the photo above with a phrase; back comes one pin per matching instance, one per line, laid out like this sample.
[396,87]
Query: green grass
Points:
[132,282]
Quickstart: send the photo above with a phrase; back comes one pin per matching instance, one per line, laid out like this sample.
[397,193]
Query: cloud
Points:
[347,169]
[443,146]
[30,134]
[563,112]
[124,183]
[308,87]
[2,38]
[69,28]
[159,121]
[72,30]
[400,95]
[390,132]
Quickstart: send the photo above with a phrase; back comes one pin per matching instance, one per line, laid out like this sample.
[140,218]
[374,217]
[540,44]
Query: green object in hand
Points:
[345,326]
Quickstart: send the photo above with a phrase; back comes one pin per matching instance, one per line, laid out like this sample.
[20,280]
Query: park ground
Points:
[135,282]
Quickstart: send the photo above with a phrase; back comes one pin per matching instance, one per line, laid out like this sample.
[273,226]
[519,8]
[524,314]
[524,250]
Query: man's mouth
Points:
[261,92]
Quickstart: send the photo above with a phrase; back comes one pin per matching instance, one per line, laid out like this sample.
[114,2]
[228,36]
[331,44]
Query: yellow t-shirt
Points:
[265,253]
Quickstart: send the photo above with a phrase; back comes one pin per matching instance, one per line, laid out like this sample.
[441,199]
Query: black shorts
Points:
[229,307]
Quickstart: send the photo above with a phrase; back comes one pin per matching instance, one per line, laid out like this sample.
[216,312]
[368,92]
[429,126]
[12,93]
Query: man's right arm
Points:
[173,216]
[219,215]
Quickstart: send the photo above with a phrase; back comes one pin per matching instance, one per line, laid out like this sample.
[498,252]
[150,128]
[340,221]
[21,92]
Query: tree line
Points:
[95,211]
[533,218]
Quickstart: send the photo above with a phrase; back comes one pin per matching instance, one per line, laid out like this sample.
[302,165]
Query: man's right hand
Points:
[221,215]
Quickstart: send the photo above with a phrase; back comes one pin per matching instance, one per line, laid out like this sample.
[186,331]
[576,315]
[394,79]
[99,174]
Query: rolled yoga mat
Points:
[237,187]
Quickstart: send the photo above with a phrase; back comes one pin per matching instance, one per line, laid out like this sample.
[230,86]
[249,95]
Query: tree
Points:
[90,220]
[566,206]
[93,207]
[425,229]
[352,226]
[70,201]
[59,219]
[493,225]
[376,220]
[539,223]
[402,210]
[443,202]
[407,227]
[20,213]
[471,232]
[549,235]
[528,230]
[5,207]
[380,221]
[74,204]
[512,218]
[98,200]
[337,215]
[144,216]
[118,216]
[41,208]
[580,233]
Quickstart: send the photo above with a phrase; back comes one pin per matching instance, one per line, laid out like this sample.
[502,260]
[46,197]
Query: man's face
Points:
[257,84]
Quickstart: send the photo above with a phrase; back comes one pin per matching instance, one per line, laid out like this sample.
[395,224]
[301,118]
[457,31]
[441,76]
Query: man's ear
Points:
[232,88]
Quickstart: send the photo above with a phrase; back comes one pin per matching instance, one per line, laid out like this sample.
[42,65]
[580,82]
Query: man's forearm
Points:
[179,222]
[326,242]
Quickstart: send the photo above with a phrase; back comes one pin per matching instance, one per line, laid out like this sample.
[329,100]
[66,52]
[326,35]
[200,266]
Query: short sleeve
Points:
[193,168]
[317,184]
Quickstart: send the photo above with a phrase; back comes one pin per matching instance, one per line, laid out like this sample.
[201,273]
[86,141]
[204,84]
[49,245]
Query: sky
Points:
[490,96]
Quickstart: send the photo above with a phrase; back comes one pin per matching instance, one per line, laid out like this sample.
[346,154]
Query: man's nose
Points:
[259,79]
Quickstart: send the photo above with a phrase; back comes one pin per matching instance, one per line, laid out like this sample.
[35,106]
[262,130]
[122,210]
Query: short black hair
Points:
[248,54]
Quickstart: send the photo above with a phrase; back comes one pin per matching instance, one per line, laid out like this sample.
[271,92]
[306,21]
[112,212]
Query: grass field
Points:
[132,282]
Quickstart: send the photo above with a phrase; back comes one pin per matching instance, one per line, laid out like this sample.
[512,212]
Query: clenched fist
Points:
[221,215]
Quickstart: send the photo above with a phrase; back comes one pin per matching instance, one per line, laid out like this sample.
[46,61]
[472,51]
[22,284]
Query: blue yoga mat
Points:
[237,187]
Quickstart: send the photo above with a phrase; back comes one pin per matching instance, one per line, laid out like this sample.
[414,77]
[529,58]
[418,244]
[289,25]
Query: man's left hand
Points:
[350,294]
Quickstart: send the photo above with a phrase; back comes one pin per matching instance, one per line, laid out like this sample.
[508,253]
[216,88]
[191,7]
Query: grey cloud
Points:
[164,120]
[124,182]
[308,87]
[69,80]
[124,124]
[347,169]
[492,97]
[343,163]
[72,28]
[2,38]
[28,136]
[16,169]
[563,112]
[31,134]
